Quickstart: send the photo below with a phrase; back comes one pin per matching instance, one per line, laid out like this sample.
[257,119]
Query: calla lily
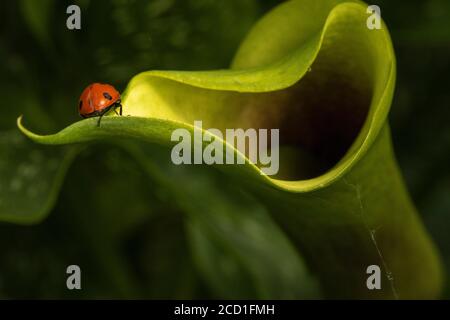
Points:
[313,70]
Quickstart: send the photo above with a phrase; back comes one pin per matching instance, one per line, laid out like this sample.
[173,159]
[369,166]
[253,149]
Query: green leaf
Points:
[227,230]
[314,70]
[238,247]
[28,192]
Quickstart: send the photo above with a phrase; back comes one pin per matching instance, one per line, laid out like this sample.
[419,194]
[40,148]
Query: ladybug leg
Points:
[99,119]
[104,111]
[118,105]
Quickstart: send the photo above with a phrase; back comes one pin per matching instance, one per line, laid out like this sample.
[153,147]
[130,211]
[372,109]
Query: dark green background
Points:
[44,67]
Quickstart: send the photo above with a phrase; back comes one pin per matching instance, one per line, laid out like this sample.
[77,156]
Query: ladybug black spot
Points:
[80,105]
[107,95]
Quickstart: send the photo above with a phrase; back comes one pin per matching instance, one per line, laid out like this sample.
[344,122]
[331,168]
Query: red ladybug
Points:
[97,99]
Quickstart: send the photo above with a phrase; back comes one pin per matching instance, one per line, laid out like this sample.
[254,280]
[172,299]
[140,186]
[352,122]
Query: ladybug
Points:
[97,99]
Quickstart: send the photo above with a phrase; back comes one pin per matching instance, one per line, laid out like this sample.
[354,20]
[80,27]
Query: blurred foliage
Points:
[420,113]
[44,68]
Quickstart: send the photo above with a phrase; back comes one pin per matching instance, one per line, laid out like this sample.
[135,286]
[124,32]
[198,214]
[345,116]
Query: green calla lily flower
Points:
[313,70]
